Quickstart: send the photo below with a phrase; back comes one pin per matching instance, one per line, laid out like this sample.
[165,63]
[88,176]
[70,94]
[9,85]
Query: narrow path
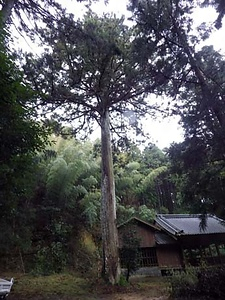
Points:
[131,296]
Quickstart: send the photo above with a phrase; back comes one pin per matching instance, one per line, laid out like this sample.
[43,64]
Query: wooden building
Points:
[174,241]
[201,237]
[158,251]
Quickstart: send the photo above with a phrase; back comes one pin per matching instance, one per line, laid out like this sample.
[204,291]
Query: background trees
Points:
[142,178]
[20,137]
[62,214]
[196,86]
[66,203]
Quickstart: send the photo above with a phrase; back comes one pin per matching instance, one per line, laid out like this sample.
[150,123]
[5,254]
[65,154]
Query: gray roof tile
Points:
[164,239]
[190,224]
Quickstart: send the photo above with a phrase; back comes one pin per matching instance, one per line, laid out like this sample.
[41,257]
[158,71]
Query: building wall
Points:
[169,256]
[144,233]
[201,240]
[147,237]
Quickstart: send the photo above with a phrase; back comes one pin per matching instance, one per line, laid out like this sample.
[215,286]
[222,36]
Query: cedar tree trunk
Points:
[6,10]
[111,265]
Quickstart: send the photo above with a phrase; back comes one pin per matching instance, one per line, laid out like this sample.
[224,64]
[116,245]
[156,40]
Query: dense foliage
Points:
[195,85]
[63,212]
[20,138]
[202,283]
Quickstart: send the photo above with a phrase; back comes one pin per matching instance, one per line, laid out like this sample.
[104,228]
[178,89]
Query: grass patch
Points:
[57,284]
[72,286]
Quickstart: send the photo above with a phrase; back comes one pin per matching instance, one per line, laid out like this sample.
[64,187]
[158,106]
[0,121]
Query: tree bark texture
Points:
[6,10]
[110,242]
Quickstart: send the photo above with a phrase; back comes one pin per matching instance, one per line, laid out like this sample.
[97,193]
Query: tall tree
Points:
[184,68]
[89,72]
[44,10]
[27,10]
[195,79]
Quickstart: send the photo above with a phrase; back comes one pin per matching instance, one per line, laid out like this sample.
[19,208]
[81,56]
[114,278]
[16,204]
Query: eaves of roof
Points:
[167,226]
[139,221]
[180,225]
[162,238]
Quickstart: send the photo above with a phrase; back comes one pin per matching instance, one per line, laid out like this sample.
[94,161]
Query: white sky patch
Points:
[209,15]
[118,7]
[164,132]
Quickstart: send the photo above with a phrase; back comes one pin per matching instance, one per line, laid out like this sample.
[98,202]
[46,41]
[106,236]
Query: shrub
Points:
[211,282]
[184,284]
[50,259]
[123,281]
[129,253]
[203,283]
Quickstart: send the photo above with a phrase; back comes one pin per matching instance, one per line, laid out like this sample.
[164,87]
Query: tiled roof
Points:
[135,219]
[164,239]
[190,224]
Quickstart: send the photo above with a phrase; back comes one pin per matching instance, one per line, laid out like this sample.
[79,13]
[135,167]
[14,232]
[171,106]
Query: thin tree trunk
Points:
[108,208]
[22,262]
[6,10]
[207,95]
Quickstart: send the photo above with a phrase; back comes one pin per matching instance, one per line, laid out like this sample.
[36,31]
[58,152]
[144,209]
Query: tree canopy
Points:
[195,85]
[90,68]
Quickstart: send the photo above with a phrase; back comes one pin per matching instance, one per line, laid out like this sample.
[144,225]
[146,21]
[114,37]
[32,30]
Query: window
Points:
[148,257]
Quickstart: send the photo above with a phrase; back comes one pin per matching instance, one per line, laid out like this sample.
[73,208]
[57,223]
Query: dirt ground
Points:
[132,296]
[117,296]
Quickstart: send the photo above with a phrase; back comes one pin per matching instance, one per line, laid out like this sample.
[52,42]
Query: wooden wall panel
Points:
[169,257]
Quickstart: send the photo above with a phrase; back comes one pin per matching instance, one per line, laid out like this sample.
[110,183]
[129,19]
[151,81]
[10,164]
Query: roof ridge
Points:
[185,224]
[139,220]
[168,216]
[166,222]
